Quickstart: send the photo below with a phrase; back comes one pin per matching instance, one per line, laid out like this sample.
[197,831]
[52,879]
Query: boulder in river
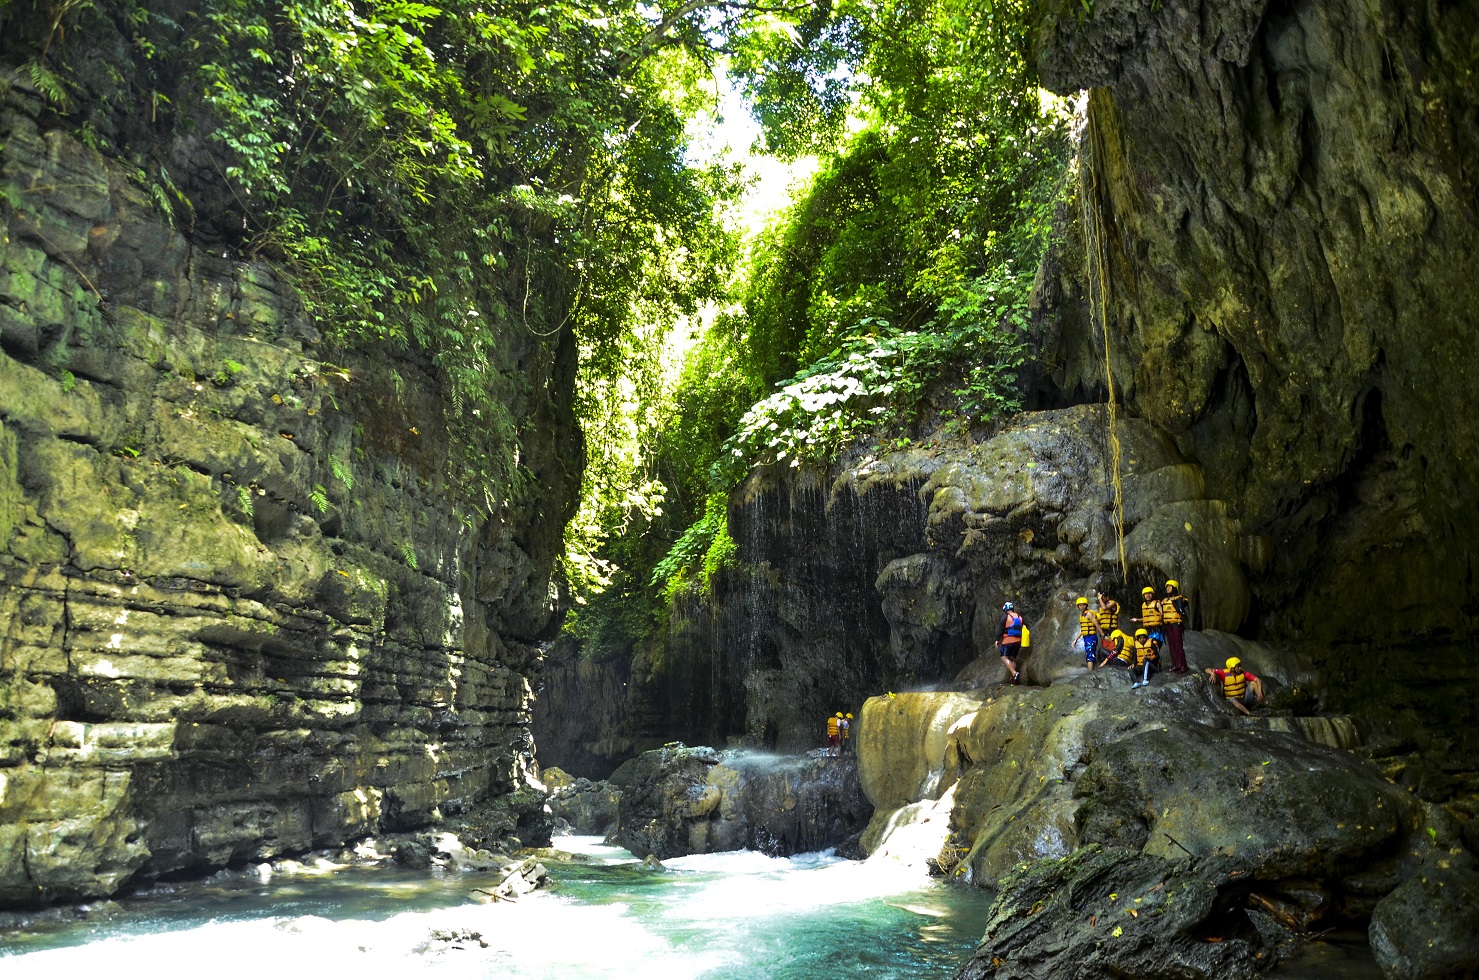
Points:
[679,800]
[1428,928]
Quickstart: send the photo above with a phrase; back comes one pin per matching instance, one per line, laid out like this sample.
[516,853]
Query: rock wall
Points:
[888,571]
[239,615]
[1283,200]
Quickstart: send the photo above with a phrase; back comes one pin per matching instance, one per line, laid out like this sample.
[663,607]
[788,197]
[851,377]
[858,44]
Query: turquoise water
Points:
[719,916]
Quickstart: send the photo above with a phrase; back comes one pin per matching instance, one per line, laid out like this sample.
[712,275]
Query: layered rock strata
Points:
[239,613]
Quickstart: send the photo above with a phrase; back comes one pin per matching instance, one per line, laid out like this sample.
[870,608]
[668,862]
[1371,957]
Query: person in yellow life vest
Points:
[1147,656]
[1112,640]
[1242,689]
[1088,631]
[834,734]
[1174,609]
[1150,613]
[847,734]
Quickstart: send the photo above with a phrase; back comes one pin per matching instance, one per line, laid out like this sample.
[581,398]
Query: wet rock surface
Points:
[1239,837]
[679,800]
[239,616]
[581,805]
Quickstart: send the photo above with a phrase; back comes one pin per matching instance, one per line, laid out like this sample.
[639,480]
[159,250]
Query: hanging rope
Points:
[1096,261]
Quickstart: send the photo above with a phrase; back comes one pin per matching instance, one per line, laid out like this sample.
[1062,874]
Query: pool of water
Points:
[713,916]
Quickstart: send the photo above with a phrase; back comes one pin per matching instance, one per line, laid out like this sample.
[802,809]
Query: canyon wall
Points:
[241,613]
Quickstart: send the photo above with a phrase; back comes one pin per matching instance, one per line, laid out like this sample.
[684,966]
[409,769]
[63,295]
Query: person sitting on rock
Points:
[1174,609]
[1009,640]
[1150,613]
[1088,631]
[1111,640]
[1147,656]
[1242,689]
[834,734]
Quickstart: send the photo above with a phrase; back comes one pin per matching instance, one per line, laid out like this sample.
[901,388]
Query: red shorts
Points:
[834,739]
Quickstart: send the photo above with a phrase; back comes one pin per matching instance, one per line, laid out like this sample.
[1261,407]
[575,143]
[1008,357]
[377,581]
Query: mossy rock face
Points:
[1290,293]
[239,612]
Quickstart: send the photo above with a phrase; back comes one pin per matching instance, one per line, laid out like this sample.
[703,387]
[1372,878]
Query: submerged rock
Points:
[678,800]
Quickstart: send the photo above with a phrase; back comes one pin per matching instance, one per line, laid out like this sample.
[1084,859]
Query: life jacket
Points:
[1234,684]
[1014,627]
[1169,612]
[832,725]
[1150,614]
[1144,650]
[1086,621]
[1109,618]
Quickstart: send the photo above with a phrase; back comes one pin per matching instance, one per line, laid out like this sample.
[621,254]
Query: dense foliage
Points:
[895,286]
[468,179]
[460,178]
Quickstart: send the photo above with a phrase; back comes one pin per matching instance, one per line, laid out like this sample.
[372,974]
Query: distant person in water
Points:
[1243,690]
[834,734]
[1088,631]
[1147,656]
[1174,610]
[847,733]
[1009,640]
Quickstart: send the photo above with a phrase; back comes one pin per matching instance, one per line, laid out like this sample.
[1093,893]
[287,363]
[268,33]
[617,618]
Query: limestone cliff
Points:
[1282,198]
[240,614]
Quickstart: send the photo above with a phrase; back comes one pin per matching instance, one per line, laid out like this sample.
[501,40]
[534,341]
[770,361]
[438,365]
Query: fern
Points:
[409,554]
[341,471]
[319,498]
[244,497]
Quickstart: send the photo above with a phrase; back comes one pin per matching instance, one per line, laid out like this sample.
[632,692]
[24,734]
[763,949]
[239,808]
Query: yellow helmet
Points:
[839,714]
[849,714]
[1173,583]
[1082,600]
[1142,632]
[1147,591]
[1232,662]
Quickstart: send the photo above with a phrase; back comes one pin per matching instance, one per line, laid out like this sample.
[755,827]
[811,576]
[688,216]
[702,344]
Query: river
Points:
[718,917]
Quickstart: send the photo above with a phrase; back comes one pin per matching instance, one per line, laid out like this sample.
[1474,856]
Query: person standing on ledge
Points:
[847,734]
[1088,631]
[1009,640]
[834,734]
[1150,614]
[1174,608]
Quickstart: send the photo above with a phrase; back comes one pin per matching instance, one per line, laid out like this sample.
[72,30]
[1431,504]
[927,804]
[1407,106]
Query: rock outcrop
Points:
[239,614]
[1125,832]
[1283,200]
[889,570]
[678,800]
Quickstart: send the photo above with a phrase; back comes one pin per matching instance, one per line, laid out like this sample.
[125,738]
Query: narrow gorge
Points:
[410,466]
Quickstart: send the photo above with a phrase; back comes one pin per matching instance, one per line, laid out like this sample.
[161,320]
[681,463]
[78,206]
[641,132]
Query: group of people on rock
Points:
[1161,623]
[839,734]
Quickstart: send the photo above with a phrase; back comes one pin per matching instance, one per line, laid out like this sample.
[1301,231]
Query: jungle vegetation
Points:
[442,176]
